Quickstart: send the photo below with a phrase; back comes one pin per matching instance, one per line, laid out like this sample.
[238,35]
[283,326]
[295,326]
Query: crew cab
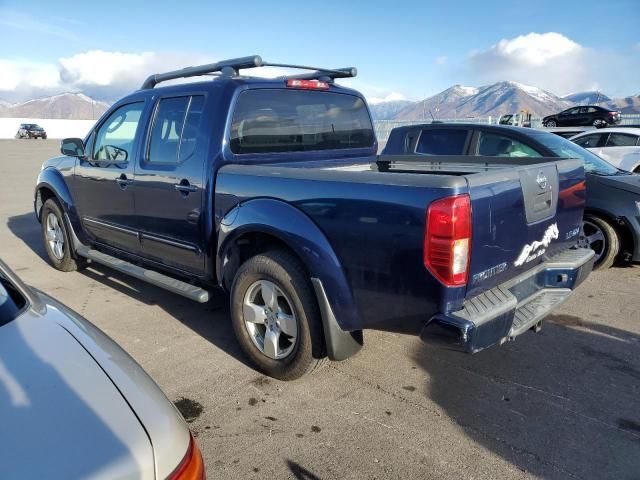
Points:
[271,190]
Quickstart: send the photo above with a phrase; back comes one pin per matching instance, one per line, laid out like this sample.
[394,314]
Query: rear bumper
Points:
[506,311]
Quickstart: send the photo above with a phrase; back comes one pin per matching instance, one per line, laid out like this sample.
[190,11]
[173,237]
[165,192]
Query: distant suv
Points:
[31,130]
[587,115]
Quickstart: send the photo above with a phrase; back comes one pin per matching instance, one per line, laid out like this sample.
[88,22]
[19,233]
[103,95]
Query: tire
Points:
[599,123]
[56,238]
[295,298]
[601,236]
[551,124]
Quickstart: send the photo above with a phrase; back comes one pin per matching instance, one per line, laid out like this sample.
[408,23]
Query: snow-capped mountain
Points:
[496,99]
[587,98]
[439,105]
[73,106]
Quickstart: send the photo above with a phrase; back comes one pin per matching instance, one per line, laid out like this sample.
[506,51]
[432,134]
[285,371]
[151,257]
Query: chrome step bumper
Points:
[510,309]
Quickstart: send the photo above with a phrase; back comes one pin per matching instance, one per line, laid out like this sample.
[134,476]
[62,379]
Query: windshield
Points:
[565,148]
[279,120]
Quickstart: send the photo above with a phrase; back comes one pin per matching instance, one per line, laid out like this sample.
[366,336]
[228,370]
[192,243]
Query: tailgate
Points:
[521,217]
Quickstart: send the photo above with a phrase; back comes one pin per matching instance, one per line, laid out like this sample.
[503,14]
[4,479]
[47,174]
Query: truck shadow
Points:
[563,403]
[210,320]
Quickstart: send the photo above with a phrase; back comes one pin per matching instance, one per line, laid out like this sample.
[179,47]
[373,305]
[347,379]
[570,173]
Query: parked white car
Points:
[619,146]
[73,404]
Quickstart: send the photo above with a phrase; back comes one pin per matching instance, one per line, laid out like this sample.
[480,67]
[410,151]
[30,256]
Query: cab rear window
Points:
[270,120]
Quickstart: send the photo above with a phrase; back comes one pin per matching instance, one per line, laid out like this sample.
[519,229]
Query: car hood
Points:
[628,183]
[74,403]
[59,413]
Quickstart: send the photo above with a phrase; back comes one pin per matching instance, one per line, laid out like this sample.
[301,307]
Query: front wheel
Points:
[551,124]
[276,317]
[56,238]
[600,236]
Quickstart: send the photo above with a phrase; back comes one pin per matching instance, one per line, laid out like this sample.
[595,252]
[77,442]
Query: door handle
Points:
[185,187]
[123,181]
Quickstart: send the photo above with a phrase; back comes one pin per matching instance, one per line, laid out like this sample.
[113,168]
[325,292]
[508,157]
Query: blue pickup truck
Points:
[271,190]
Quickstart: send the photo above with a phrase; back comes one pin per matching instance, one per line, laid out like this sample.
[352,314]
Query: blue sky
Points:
[402,49]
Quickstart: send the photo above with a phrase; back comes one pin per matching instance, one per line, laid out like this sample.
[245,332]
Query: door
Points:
[104,179]
[170,185]
[568,117]
[619,145]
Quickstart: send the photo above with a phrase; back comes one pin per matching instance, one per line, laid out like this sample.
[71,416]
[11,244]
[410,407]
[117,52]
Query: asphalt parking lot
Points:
[564,403]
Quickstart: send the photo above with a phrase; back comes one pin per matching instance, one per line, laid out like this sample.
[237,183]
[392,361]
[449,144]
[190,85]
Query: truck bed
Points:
[374,220]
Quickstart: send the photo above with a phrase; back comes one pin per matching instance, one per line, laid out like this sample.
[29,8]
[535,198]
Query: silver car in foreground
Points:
[73,404]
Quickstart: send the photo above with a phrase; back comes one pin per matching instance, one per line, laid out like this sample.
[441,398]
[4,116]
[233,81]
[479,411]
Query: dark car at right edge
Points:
[593,115]
[611,224]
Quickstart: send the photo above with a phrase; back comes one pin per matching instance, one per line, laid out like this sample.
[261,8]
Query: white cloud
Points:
[441,60]
[549,60]
[391,97]
[101,74]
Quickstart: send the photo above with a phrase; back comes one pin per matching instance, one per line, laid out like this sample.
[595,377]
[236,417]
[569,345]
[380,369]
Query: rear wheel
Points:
[599,123]
[56,238]
[600,235]
[275,316]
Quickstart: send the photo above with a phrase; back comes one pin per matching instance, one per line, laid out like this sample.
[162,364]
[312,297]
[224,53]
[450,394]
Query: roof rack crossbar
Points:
[232,66]
[318,73]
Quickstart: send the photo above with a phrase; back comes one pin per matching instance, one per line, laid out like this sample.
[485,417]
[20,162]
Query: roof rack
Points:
[231,68]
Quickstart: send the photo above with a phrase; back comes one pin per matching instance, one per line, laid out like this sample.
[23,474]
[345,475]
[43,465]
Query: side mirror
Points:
[73,147]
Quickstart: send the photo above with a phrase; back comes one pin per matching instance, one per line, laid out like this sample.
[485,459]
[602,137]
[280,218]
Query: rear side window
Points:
[442,141]
[175,129]
[270,120]
[493,145]
[621,140]
[590,141]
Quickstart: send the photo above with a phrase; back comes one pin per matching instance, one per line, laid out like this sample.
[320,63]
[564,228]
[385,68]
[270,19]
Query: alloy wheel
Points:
[270,319]
[593,237]
[55,236]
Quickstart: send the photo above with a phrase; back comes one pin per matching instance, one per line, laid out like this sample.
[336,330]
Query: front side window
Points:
[442,141]
[495,145]
[590,141]
[571,111]
[175,128]
[622,140]
[287,120]
[115,137]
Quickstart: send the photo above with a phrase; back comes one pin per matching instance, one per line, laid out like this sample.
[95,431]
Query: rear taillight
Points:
[447,239]
[191,467]
[307,84]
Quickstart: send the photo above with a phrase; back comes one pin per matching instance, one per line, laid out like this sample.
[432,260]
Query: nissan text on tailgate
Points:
[271,190]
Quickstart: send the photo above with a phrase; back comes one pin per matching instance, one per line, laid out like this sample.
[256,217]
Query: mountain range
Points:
[455,102]
[497,99]
[71,106]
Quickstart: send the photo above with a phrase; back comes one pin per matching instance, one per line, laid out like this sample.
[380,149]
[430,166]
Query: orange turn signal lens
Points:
[191,467]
